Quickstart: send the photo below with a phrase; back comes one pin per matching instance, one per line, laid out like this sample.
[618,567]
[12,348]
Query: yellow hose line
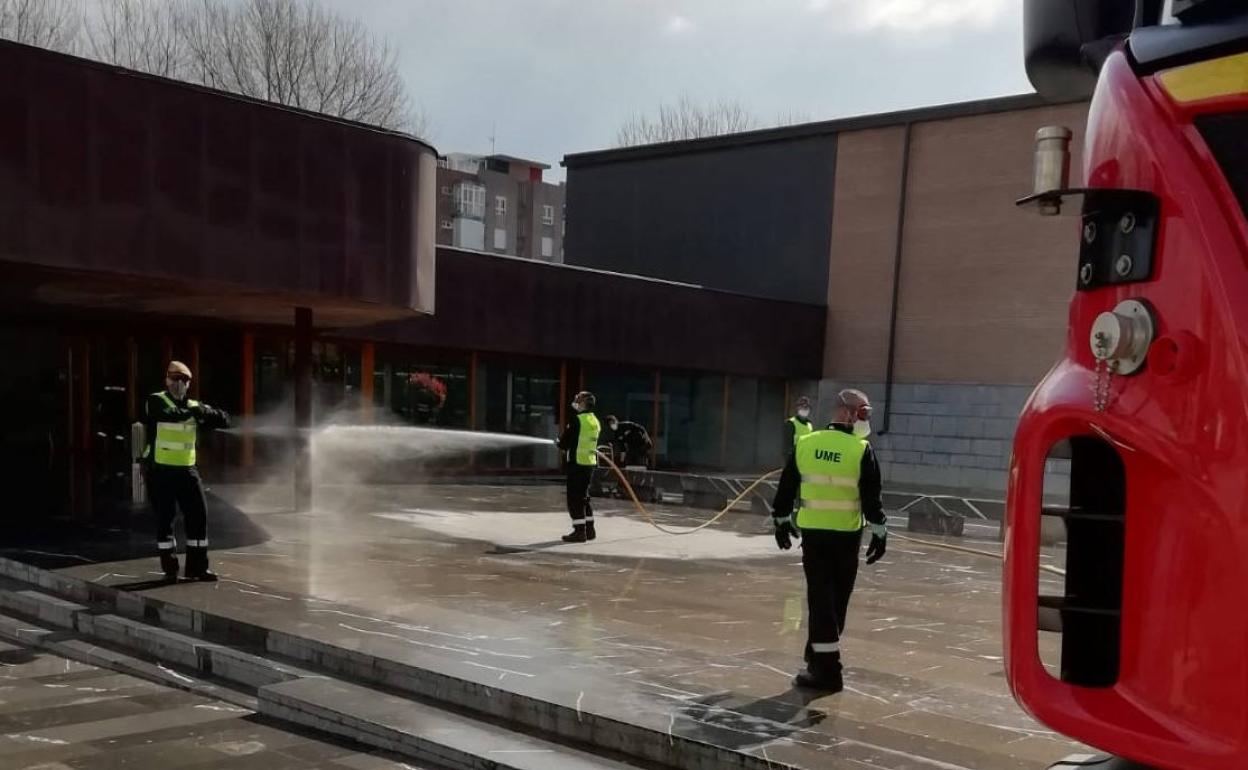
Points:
[974,551]
[645,514]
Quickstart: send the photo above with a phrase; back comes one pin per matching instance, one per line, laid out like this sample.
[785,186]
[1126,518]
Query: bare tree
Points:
[45,23]
[791,118]
[686,119]
[294,52]
[138,34]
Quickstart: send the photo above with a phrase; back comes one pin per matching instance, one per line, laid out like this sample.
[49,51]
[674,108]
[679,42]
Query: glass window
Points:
[423,389]
[626,393]
[548,246]
[470,200]
[548,215]
[691,418]
[500,238]
[772,412]
[755,431]
[519,396]
[500,205]
[273,370]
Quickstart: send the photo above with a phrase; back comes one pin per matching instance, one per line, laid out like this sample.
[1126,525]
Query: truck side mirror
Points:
[1066,41]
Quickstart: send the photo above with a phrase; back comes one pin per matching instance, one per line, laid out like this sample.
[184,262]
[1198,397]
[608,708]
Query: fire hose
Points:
[649,519]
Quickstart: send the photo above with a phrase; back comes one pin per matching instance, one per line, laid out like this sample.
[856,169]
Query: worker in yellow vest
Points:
[579,443]
[798,425]
[172,423]
[832,481]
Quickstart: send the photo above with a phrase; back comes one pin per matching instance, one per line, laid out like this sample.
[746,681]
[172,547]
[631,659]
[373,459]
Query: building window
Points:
[470,200]
[523,397]
[500,205]
[548,246]
[548,215]
[446,224]
[464,163]
[500,239]
[423,392]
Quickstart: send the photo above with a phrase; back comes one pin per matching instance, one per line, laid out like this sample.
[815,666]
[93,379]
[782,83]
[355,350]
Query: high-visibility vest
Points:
[587,439]
[175,441]
[800,429]
[830,463]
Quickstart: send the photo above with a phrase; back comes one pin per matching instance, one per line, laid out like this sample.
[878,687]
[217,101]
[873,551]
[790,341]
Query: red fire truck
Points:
[1149,402]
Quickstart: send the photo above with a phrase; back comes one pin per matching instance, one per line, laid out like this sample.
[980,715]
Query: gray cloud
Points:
[559,76]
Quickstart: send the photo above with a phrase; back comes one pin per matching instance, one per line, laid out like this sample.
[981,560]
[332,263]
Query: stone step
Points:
[234,665]
[548,705]
[83,651]
[416,730]
[351,711]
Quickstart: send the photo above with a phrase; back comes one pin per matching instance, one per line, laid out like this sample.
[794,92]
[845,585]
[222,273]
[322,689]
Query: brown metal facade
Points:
[508,305]
[182,190]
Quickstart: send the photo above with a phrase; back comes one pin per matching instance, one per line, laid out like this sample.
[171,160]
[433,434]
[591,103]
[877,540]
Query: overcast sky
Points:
[551,77]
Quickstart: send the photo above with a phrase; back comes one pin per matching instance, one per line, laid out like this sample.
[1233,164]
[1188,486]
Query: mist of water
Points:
[347,452]
[394,440]
[398,441]
[385,436]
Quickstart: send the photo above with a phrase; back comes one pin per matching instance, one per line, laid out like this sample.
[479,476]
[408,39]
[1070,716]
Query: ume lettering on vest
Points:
[823,454]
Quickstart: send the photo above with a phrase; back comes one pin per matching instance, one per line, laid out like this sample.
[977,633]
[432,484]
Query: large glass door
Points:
[109,385]
[34,446]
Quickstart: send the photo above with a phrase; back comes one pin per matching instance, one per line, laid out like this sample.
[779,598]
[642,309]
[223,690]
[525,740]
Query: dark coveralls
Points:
[830,560]
[633,443]
[171,487]
[579,477]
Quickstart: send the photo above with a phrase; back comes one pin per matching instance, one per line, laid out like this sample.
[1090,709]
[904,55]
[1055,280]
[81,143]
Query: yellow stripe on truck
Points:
[1227,76]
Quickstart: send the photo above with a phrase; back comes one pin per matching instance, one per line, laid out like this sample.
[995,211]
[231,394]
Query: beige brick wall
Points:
[860,275]
[984,285]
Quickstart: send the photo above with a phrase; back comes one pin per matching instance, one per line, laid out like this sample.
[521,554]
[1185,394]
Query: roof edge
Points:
[541,264]
[125,72]
[820,128]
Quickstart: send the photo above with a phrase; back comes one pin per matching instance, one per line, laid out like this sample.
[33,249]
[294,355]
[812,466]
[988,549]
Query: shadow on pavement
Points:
[722,720]
[122,533]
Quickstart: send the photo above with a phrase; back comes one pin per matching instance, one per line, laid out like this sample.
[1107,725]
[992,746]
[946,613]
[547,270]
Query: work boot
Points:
[577,535]
[813,679]
[590,534]
[197,565]
[169,565]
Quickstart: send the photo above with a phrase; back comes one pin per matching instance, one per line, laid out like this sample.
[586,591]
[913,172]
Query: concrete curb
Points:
[31,635]
[350,711]
[414,729]
[148,625]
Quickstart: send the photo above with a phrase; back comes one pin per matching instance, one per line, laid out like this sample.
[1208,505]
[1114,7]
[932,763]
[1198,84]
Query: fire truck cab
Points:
[1148,404]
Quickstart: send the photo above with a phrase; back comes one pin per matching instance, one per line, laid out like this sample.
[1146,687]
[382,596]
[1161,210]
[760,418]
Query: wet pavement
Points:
[700,633]
[56,714]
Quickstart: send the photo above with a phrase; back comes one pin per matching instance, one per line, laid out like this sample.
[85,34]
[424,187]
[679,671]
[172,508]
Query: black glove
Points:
[786,531]
[879,543]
